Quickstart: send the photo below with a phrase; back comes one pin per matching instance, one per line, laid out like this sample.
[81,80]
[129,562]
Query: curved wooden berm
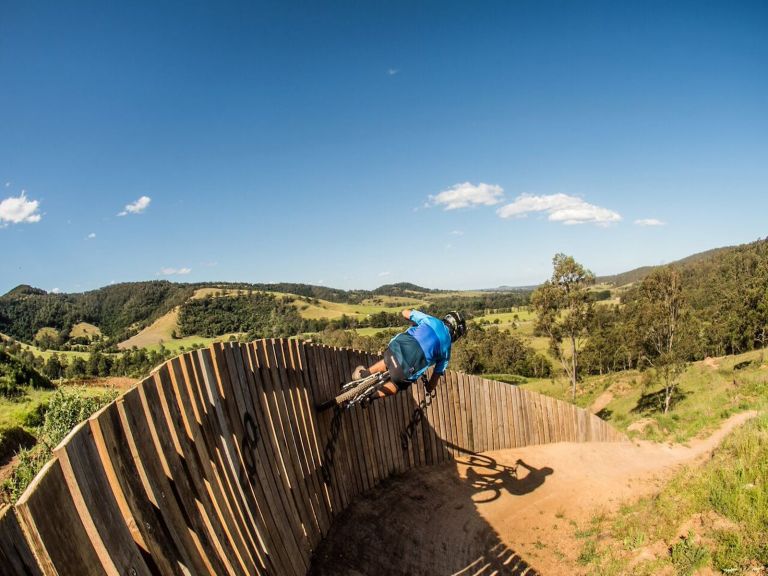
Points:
[218,463]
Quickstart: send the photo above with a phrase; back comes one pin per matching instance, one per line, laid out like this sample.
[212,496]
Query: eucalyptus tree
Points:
[563,311]
[662,316]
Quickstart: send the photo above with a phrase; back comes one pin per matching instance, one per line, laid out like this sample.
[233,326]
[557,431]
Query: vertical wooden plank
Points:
[145,520]
[503,419]
[44,508]
[16,556]
[449,419]
[529,415]
[354,440]
[456,411]
[405,404]
[487,414]
[294,451]
[181,482]
[350,480]
[158,482]
[477,413]
[418,430]
[427,428]
[437,422]
[468,411]
[274,458]
[479,408]
[518,438]
[96,505]
[305,411]
[360,425]
[495,403]
[294,406]
[234,551]
[514,432]
[246,527]
[318,379]
[213,405]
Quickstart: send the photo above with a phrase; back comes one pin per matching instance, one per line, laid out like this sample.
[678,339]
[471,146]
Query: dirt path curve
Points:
[486,513]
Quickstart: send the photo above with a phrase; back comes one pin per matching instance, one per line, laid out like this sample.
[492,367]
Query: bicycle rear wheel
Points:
[356,390]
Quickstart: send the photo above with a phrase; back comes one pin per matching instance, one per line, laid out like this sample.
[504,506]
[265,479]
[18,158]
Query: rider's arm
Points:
[407,313]
[434,378]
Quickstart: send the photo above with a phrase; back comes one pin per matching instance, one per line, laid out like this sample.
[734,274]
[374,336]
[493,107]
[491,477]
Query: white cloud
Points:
[467,194]
[457,233]
[649,222]
[393,71]
[136,207]
[382,274]
[174,271]
[561,208]
[18,210]
[56,291]
[7,184]
[92,235]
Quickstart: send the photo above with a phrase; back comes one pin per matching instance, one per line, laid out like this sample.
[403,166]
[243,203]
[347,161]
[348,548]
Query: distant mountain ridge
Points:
[120,310]
[638,274]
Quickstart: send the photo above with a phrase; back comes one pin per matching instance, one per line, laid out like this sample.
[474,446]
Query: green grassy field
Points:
[15,412]
[708,519]
[334,310]
[84,329]
[708,393]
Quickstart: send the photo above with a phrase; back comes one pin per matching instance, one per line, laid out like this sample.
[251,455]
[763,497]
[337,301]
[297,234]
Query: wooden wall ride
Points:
[218,463]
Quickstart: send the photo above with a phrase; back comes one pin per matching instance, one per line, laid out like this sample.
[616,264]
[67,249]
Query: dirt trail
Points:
[477,515]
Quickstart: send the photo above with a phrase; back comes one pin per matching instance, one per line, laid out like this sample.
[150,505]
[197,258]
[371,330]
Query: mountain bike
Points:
[357,392]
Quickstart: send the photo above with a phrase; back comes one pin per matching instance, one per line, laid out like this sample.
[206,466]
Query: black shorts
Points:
[404,358]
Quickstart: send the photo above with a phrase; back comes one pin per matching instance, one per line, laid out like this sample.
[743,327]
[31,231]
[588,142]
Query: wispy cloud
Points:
[56,291]
[457,233]
[383,274]
[92,235]
[466,194]
[19,210]
[560,208]
[174,271]
[136,207]
[649,222]
[393,71]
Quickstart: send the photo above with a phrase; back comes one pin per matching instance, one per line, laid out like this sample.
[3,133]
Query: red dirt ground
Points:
[478,516]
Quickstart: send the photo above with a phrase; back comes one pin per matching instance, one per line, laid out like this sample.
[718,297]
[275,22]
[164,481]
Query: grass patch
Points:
[67,407]
[728,500]
[706,397]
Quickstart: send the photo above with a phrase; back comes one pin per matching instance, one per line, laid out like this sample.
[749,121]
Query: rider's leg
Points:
[361,371]
[380,366]
[387,390]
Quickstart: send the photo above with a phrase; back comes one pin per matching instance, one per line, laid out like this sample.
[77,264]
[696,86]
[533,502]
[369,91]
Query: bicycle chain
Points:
[418,414]
[330,446]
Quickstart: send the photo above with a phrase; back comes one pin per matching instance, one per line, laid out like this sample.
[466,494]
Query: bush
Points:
[66,409]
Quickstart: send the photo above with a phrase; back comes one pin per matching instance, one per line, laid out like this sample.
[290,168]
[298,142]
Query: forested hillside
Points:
[721,308]
[638,274]
[114,309]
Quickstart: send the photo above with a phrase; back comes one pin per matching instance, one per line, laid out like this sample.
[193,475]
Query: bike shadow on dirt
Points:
[426,521]
[490,479]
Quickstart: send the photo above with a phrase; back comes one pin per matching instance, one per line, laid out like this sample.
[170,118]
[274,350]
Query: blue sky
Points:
[352,144]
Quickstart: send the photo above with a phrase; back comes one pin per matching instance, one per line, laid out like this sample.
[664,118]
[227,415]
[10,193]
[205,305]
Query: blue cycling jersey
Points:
[434,339]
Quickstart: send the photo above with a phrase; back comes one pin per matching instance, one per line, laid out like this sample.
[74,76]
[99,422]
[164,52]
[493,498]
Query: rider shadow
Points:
[426,520]
[487,477]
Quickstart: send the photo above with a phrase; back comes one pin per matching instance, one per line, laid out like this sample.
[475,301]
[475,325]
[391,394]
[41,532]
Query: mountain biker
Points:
[412,352]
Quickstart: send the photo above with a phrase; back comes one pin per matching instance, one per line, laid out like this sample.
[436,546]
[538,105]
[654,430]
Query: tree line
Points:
[118,310]
[709,306]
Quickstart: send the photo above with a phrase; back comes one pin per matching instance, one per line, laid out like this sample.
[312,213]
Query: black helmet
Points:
[456,325]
